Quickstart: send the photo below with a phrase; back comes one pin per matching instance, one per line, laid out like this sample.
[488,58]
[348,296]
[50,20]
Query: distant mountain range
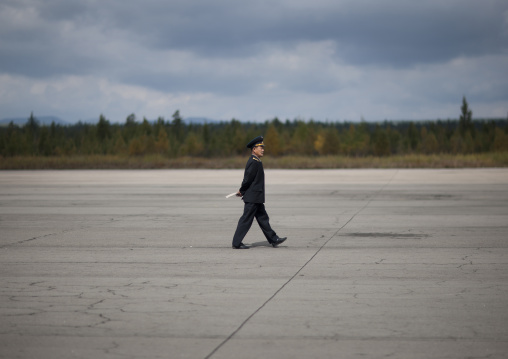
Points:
[199,120]
[47,120]
[43,120]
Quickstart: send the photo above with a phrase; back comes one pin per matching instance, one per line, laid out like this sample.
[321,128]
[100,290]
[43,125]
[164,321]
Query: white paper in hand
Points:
[231,195]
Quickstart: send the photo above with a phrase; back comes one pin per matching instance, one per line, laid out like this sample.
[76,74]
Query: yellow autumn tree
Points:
[272,141]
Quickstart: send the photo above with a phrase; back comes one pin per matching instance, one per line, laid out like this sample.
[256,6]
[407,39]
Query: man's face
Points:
[258,151]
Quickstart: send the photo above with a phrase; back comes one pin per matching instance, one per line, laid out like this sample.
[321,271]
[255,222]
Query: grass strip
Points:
[495,159]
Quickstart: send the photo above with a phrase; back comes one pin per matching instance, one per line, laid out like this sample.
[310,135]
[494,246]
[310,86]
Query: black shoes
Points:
[274,243]
[241,246]
[278,241]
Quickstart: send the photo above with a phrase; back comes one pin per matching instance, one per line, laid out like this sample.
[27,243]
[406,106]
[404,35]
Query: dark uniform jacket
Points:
[253,185]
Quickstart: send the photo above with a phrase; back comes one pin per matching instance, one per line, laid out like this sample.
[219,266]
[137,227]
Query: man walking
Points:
[252,192]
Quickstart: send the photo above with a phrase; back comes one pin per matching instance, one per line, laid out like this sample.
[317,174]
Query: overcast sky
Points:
[253,60]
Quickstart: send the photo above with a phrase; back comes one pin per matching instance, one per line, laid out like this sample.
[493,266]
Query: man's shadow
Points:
[261,244]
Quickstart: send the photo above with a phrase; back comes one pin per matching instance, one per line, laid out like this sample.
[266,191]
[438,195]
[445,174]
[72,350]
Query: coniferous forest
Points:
[169,141]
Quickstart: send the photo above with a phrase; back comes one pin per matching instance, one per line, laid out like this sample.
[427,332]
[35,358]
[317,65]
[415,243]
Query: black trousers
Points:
[250,211]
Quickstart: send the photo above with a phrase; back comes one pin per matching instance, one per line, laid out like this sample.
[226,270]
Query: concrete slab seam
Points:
[299,270]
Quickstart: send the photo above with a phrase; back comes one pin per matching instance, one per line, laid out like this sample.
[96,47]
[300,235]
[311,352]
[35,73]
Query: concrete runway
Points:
[138,264]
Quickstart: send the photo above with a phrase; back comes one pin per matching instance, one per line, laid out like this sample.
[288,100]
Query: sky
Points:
[327,60]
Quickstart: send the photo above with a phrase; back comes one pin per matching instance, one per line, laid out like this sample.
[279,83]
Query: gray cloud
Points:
[392,33]
[264,51]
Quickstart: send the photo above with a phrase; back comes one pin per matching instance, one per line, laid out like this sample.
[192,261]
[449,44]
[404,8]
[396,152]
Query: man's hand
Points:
[238,194]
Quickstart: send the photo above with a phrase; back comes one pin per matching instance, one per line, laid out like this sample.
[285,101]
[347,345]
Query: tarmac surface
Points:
[138,264]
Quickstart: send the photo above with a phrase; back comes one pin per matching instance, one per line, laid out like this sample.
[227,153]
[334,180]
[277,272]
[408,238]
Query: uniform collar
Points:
[256,158]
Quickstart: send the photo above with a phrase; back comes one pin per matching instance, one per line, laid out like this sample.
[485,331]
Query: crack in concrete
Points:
[469,263]
[58,233]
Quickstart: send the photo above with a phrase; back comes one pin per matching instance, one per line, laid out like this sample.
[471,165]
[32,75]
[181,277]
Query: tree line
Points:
[174,138]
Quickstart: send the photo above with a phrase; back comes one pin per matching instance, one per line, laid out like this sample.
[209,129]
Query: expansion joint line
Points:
[299,270]
[64,231]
